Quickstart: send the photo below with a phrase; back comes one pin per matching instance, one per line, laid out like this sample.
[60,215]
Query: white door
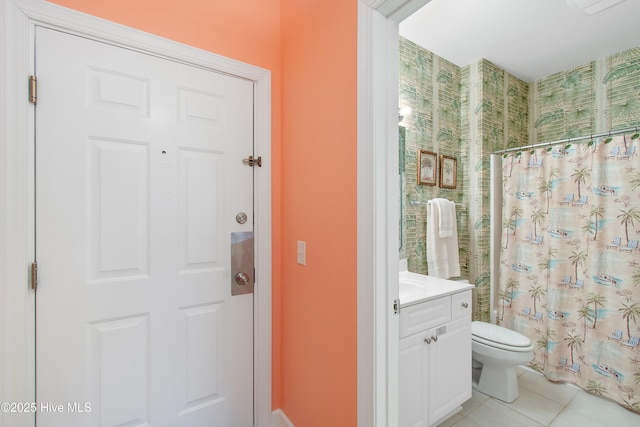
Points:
[139,178]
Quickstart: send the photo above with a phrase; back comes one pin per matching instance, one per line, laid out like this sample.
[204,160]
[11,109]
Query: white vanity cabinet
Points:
[434,358]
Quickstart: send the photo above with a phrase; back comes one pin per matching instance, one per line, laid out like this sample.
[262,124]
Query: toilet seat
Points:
[499,337]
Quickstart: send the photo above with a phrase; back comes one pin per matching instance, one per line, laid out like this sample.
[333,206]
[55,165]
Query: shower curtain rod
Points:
[567,140]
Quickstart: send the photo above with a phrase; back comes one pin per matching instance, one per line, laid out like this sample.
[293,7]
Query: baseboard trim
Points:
[279,419]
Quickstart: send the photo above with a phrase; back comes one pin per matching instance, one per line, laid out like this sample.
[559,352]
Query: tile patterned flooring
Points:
[542,403]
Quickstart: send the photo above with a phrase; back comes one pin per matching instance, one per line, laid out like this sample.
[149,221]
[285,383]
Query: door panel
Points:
[139,178]
[117,180]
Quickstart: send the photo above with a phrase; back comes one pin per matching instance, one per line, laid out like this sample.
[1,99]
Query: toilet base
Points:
[475,375]
[498,382]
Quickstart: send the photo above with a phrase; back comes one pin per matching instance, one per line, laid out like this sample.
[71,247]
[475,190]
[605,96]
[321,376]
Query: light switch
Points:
[302,252]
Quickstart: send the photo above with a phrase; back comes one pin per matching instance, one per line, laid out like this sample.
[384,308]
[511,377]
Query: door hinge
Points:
[34,275]
[251,161]
[33,90]
[396,306]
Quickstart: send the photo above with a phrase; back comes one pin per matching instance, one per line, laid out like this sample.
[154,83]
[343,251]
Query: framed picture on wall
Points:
[427,167]
[448,171]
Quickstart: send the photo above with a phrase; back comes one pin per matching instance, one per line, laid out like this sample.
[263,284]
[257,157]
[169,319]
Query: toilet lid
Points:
[493,334]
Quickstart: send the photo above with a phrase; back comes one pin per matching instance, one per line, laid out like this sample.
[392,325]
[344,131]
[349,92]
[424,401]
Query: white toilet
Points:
[496,351]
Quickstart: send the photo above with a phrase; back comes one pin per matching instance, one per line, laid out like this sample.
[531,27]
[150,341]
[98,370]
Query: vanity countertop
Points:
[415,288]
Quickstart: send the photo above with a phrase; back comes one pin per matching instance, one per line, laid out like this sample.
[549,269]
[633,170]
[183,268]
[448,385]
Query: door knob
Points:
[242,279]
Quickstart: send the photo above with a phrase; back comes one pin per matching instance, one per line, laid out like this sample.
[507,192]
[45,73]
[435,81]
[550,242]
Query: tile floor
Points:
[542,403]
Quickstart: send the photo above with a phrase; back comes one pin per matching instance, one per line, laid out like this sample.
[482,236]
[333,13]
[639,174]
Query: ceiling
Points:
[529,39]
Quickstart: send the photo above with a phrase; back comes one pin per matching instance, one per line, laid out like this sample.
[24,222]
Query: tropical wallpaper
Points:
[430,89]
[470,112]
[570,262]
[495,116]
[596,97]
[459,112]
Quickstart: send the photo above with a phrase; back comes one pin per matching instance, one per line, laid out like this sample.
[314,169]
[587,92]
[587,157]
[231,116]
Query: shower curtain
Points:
[570,263]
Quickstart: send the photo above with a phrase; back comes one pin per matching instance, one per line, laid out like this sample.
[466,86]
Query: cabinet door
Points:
[413,405]
[449,372]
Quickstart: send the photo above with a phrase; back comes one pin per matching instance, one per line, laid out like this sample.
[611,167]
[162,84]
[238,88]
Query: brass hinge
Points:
[396,306]
[251,161]
[34,275]
[33,90]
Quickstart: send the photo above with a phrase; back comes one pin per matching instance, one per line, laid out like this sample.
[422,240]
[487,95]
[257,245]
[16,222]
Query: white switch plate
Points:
[302,252]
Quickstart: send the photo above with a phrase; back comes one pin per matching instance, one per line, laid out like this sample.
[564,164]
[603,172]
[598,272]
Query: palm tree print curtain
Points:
[570,263]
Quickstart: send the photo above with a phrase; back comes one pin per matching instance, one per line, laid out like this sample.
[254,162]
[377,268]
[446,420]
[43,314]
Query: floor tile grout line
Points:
[539,390]
[506,405]
[466,415]
[564,408]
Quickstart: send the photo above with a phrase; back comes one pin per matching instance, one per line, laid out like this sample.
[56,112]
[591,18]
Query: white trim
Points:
[17,326]
[396,10]
[17,359]
[378,197]
[279,419]
[376,322]
[369,385]
[264,260]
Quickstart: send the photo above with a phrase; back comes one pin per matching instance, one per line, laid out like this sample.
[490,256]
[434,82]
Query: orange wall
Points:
[247,30]
[319,110]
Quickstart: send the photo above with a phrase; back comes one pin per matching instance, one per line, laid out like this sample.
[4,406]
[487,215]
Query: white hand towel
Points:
[443,259]
[446,215]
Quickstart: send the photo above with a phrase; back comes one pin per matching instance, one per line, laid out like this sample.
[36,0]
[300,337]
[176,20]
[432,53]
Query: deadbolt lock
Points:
[241,218]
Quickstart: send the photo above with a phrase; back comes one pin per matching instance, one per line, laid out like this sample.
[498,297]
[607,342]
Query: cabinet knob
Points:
[435,339]
[465,305]
[427,340]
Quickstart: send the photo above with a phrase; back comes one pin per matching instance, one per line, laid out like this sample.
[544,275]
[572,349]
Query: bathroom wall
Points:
[596,97]
[496,110]
[430,86]
[494,116]
[466,113]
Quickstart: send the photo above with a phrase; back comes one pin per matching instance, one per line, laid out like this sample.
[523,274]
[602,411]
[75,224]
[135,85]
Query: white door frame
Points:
[17,204]
[378,198]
